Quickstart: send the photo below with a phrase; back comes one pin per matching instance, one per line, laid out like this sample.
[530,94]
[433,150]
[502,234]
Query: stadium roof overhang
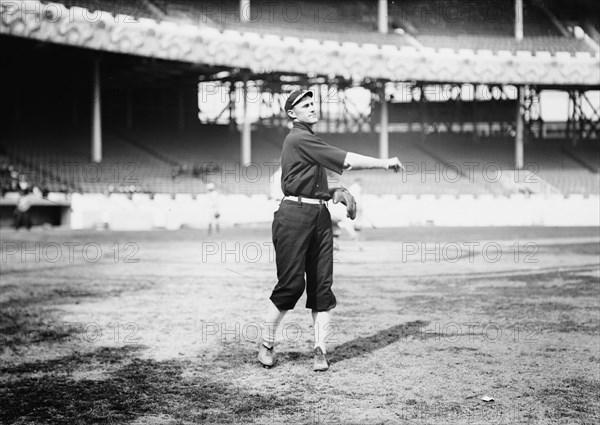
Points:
[28,58]
[208,50]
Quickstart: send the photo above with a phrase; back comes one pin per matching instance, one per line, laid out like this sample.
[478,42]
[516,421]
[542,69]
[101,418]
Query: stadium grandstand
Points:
[152,96]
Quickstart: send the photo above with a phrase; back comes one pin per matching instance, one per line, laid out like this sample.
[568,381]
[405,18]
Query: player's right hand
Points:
[395,164]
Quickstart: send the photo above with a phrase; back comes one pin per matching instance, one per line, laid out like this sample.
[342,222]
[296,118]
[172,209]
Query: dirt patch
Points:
[136,388]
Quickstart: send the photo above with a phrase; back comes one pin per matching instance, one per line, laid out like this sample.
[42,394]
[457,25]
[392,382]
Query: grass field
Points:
[160,328]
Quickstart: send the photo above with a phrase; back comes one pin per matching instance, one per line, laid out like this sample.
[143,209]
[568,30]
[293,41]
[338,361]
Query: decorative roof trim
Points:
[53,22]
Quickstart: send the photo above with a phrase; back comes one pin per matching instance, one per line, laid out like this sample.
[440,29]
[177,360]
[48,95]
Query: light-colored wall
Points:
[120,213]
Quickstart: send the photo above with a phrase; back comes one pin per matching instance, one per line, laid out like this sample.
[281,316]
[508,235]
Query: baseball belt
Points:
[302,199]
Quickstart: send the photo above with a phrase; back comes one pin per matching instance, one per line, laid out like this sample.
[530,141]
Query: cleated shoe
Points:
[265,355]
[320,364]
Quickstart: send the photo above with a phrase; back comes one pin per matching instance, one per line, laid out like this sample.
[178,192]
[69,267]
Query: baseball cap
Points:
[295,97]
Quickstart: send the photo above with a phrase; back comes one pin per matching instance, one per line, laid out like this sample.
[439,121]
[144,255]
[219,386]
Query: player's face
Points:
[304,111]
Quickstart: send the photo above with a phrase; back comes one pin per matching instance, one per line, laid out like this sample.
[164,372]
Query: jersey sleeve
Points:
[316,150]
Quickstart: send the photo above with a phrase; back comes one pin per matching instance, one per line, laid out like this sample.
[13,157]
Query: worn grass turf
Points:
[160,328]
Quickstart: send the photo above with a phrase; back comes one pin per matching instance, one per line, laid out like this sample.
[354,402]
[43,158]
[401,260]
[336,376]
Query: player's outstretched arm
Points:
[356,161]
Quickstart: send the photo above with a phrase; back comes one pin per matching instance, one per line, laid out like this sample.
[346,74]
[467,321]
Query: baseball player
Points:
[23,219]
[214,214]
[301,229]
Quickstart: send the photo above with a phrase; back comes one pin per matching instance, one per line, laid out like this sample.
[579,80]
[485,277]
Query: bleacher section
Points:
[476,25]
[455,164]
[548,168]
[64,158]
[209,153]
[572,169]
[150,161]
[351,21]
[425,174]
[552,44]
[480,25]
[451,18]
[155,161]
[578,13]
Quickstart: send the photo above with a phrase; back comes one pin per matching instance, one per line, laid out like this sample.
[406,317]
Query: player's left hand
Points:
[346,198]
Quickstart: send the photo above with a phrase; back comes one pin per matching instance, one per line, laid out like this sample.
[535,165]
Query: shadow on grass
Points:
[365,345]
[383,338]
[130,388]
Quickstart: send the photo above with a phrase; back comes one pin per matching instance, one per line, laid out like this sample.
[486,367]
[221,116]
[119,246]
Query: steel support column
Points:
[96,114]
[519,130]
[384,144]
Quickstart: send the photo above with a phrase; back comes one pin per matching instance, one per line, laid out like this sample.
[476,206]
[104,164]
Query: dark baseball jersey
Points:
[304,158]
[302,234]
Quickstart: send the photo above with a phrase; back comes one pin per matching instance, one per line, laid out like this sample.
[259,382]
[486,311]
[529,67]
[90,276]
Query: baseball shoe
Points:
[320,362]
[265,355]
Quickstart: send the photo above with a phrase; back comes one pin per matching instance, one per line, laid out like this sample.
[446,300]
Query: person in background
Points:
[22,211]
[214,210]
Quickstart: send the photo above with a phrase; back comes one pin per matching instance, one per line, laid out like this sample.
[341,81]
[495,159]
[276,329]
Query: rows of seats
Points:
[593,31]
[552,44]
[476,25]
[424,173]
[573,181]
[156,161]
[450,18]
[351,21]
[482,25]
[204,145]
[578,13]
[570,168]
[548,167]
[65,158]
[153,161]
[457,163]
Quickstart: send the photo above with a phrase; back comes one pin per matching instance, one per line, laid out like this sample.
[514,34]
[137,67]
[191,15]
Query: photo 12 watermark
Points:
[470,172]
[270,12]
[75,172]
[243,252]
[471,252]
[291,332]
[439,413]
[122,12]
[114,332]
[322,411]
[434,332]
[69,252]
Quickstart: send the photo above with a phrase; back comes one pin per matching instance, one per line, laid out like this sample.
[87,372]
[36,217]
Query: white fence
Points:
[118,212]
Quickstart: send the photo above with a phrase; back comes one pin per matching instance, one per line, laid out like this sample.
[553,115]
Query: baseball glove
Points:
[343,196]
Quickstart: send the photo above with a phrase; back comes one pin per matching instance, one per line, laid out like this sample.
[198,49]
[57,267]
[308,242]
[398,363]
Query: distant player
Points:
[214,208]
[22,214]
[301,230]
